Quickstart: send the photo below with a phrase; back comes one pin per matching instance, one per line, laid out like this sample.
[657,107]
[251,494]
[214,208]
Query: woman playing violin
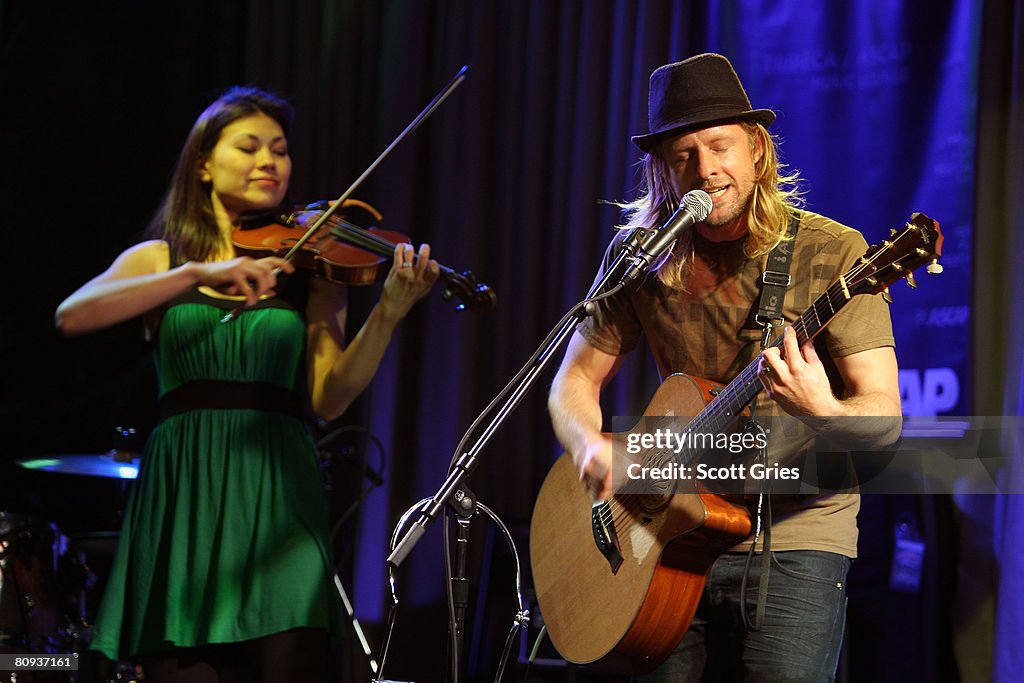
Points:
[224,562]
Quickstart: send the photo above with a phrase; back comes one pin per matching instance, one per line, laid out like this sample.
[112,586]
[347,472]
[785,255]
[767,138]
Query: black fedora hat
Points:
[696,93]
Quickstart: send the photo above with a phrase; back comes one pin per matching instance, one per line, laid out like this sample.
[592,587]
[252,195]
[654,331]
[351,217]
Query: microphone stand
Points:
[453,492]
[465,509]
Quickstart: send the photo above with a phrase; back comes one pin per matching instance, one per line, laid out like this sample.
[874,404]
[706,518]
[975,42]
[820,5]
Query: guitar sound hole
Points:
[654,502]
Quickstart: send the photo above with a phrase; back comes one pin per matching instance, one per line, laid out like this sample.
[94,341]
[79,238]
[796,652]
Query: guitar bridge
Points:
[605,538]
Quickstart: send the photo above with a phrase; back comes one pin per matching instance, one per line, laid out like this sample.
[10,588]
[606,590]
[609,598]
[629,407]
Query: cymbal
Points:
[91,465]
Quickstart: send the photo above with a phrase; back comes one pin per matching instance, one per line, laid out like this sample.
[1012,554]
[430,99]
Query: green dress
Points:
[225,536]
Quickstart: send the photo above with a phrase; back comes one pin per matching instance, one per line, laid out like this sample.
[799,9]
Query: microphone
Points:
[695,207]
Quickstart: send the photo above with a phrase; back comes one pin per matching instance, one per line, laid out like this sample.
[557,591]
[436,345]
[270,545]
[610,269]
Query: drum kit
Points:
[113,465]
[50,582]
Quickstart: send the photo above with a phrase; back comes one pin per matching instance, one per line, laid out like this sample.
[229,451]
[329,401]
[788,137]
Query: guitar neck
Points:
[919,243]
[722,411]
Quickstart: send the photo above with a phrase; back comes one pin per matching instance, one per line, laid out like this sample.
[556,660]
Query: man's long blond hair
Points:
[774,197]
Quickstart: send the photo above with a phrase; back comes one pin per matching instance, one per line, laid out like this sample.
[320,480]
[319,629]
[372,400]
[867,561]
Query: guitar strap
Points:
[774,282]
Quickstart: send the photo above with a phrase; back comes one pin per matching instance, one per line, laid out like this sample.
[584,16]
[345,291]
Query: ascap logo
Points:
[929,392]
[876,55]
[943,316]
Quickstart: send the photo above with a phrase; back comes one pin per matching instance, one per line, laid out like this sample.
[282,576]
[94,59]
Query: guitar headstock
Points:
[919,243]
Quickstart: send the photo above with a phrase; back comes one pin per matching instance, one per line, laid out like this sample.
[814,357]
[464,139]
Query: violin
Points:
[343,252]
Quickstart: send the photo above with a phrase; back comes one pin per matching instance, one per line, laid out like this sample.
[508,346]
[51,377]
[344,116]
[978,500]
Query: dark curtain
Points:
[996,522]
[509,179]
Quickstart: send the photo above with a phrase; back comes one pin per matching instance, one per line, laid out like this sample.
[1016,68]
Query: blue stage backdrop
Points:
[876,104]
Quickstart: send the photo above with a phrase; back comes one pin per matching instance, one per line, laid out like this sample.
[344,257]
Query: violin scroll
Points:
[472,295]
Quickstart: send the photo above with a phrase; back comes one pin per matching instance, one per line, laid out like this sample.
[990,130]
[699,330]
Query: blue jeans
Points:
[803,623]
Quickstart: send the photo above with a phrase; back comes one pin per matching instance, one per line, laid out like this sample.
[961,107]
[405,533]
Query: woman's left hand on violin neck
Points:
[410,278]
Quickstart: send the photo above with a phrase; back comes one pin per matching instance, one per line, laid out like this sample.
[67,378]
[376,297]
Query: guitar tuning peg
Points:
[934,267]
[910,280]
[886,296]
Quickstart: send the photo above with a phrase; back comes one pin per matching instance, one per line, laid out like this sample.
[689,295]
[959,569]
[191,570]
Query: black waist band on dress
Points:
[225,395]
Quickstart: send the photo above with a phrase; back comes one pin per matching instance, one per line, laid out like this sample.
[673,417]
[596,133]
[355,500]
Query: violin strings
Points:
[367,240]
[360,237]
